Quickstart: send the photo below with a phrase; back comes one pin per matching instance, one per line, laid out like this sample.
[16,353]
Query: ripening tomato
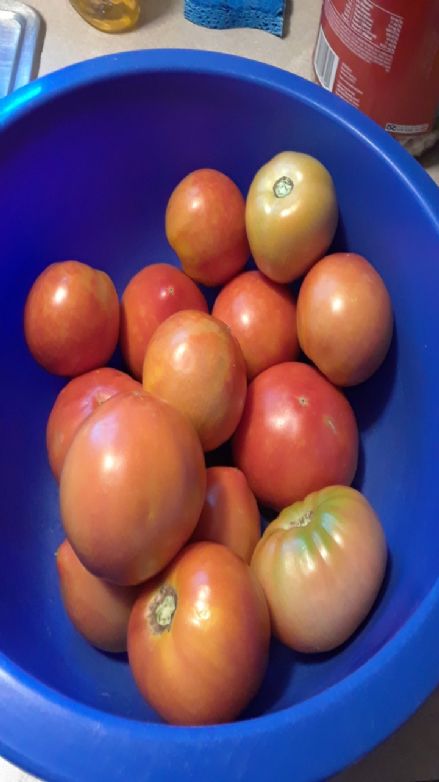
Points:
[75,402]
[198,637]
[262,316]
[291,215]
[205,226]
[100,611]
[230,512]
[344,318]
[194,363]
[297,434]
[71,318]
[132,487]
[321,564]
[151,296]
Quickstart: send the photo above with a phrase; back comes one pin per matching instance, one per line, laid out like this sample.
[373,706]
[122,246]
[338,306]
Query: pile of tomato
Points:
[164,556]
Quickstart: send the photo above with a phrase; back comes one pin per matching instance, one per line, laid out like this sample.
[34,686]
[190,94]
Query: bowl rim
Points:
[41,729]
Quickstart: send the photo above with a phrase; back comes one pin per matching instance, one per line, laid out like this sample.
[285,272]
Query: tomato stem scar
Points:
[283,187]
[303,520]
[162,609]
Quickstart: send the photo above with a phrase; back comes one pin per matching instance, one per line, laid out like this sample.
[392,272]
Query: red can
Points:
[382,56]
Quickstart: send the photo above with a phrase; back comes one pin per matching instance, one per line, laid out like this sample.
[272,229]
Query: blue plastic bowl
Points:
[88,158]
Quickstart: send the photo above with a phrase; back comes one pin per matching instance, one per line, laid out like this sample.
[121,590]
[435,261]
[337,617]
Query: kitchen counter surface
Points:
[412,753]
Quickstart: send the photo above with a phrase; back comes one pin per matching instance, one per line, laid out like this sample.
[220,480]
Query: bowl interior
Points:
[87,176]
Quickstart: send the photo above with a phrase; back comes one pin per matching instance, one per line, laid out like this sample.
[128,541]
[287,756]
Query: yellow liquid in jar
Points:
[110,16]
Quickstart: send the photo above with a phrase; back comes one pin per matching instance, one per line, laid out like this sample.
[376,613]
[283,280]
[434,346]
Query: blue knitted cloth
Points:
[262,14]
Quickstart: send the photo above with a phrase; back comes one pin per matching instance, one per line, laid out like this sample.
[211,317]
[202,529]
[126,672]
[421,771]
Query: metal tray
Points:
[20,35]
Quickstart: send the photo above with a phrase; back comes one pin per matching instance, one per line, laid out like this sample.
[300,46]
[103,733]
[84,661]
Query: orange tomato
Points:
[205,225]
[99,611]
[247,305]
[132,487]
[230,512]
[198,637]
[71,318]
[151,296]
[194,363]
[344,318]
[75,402]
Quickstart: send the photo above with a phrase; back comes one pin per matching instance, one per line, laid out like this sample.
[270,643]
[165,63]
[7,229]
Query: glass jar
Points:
[111,16]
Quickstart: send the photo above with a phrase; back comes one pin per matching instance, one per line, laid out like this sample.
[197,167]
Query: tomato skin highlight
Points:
[321,564]
[297,434]
[207,659]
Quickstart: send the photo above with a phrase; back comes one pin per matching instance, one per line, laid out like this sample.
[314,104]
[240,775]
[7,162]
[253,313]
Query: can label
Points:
[383,58]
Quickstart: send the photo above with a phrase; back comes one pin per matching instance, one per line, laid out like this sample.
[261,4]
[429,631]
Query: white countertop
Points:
[412,753]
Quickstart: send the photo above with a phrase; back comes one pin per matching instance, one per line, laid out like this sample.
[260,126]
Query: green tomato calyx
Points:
[283,187]
[162,609]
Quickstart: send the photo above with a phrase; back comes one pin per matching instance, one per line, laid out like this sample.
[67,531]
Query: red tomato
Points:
[205,226]
[291,215]
[99,611]
[151,296]
[262,316]
[194,363]
[321,564]
[198,637]
[230,513]
[132,487]
[71,318]
[297,434]
[75,402]
[344,318]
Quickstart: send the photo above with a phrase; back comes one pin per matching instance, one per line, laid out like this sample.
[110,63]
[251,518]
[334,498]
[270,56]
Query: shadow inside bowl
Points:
[369,399]
[273,693]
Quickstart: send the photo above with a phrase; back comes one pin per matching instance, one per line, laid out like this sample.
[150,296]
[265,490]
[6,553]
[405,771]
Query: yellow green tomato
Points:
[291,215]
[321,564]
